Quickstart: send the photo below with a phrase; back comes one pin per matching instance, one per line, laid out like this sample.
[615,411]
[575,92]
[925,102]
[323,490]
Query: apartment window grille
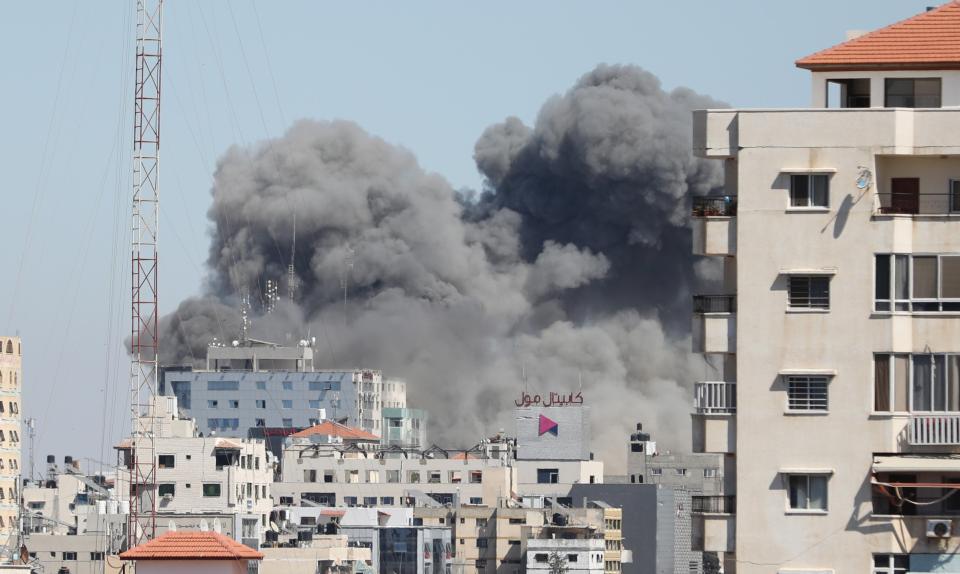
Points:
[913,93]
[809,190]
[891,563]
[917,283]
[807,492]
[809,291]
[806,393]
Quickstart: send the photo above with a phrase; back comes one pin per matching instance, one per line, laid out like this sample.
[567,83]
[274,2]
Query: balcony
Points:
[714,327]
[714,225]
[715,206]
[934,430]
[918,204]
[715,398]
[714,523]
[713,505]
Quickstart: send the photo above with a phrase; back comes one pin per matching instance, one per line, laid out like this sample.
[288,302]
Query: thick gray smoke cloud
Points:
[573,265]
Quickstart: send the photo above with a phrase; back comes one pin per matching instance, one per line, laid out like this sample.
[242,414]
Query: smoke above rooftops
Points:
[572,267]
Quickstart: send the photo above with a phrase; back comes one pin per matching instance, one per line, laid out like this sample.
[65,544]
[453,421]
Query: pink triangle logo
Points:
[548,426]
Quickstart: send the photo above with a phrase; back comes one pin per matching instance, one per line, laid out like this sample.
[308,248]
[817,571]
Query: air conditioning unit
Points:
[939,528]
[170,497]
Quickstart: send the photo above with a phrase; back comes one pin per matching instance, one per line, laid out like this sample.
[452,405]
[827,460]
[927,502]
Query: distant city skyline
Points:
[427,76]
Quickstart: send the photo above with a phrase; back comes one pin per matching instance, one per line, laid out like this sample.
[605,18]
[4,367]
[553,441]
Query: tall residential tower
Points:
[10,379]
[835,343]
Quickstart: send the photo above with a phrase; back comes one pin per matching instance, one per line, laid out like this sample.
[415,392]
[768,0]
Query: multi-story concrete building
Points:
[553,450]
[11,369]
[332,474]
[404,428]
[257,384]
[698,481]
[835,341]
[207,476]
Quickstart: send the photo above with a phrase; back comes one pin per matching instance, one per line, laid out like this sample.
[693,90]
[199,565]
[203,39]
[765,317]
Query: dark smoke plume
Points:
[573,265]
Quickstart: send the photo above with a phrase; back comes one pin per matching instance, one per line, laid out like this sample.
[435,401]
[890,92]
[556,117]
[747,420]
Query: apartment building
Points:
[337,474]
[262,385]
[570,541]
[11,370]
[699,484]
[834,341]
[206,477]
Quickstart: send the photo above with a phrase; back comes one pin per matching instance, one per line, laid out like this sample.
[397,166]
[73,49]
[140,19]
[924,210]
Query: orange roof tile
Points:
[191,546]
[463,456]
[332,428]
[929,40]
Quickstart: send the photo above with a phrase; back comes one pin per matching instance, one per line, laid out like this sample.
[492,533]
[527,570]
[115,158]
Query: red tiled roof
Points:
[332,428]
[191,546]
[334,513]
[926,41]
[463,456]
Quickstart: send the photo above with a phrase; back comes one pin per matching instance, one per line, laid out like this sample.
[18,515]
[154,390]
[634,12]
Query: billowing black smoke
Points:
[573,265]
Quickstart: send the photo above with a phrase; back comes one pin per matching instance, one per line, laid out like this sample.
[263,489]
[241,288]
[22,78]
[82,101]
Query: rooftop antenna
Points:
[142,520]
[291,272]
[244,313]
[345,278]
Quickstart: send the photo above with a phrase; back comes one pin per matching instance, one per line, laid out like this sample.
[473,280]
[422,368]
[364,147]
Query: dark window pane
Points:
[925,277]
[882,286]
[799,190]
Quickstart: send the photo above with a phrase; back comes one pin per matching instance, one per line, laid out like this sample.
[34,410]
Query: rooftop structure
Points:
[191,546]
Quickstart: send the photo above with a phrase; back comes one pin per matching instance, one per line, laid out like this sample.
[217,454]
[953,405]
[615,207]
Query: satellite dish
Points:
[217,527]
[864,178]
[171,526]
[204,527]
[274,527]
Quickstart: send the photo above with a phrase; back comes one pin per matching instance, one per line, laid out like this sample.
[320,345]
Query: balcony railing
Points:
[713,505]
[714,206]
[935,429]
[714,304]
[919,204]
[715,398]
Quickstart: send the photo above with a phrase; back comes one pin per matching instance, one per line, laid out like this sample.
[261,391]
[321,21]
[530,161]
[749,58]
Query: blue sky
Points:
[428,75]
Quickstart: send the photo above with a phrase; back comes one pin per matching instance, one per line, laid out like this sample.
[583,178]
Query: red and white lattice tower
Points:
[142,521]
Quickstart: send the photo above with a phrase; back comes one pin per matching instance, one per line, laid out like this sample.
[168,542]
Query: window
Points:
[681,472]
[540,558]
[288,385]
[919,283]
[350,501]
[433,477]
[572,557]
[260,422]
[261,385]
[710,473]
[314,404]
[223,385]
[393,476]
[386,500]
[211,489]
[806,393]
[287,404]
[516,521]
[476,500]
[482,542]
[165,489]
[373,476]
[414,477]
[211,404]
[476,476]
[166,461]
[912,93]
[224,458]
[891,563]
[288,423]
[548,476]
[286,501]
[809,291]
[96,556]
[513,542]
[69,555]
[234,404]
[807,492]
[369,500]
[656,471]
[809,190]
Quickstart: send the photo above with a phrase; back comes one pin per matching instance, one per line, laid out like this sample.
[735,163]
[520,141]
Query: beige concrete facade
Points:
[11,371]
[784,453]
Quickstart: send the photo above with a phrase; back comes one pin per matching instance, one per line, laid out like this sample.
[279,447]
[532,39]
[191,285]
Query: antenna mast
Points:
[142,521]
[291,270]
